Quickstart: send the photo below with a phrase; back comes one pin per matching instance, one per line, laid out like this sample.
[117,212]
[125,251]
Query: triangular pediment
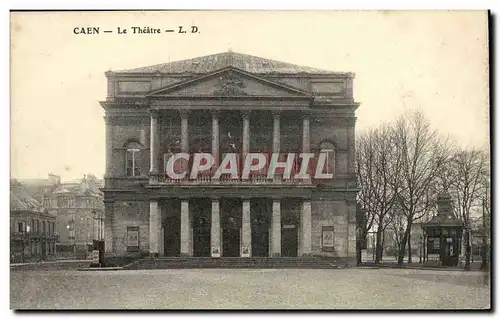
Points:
[228,82]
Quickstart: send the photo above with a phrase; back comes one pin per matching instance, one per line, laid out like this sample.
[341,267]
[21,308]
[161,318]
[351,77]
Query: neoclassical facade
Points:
[228,103]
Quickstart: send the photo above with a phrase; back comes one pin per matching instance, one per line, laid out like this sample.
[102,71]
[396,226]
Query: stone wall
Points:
[130,214]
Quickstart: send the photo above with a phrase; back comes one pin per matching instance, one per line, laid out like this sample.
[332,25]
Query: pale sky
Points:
[433,61]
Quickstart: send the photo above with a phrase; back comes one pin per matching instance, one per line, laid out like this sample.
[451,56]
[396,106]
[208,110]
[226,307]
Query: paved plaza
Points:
[249,289]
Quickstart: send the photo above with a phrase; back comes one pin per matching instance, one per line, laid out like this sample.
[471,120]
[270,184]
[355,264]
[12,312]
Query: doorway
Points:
[200,222]
[290,215]
[260,215]
[172,236]
[231,225]
[289,242]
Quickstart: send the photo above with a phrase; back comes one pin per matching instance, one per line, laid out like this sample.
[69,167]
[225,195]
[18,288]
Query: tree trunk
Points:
[379,247]
[402,248]
[409,247]
[467,249]
[358,252]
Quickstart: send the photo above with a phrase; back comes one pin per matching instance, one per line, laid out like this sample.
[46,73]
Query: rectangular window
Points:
[131,162]
[37,226]
[20,227]
[329,167]
[43,227]
[132,238]
[63,201]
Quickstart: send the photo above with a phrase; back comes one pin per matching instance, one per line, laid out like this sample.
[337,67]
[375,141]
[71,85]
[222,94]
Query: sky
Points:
[434,61]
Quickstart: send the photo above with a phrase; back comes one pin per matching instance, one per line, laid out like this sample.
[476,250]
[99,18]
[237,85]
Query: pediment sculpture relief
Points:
[230,84]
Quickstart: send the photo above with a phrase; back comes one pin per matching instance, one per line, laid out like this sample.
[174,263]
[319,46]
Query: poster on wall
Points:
[327,238]
[132,238]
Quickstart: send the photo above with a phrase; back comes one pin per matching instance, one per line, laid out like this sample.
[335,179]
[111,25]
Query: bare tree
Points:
[398,225]
[365,162]
[467,188]
[378,169]
[422,154]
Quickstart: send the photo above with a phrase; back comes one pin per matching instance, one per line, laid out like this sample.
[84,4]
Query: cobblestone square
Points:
[250,289]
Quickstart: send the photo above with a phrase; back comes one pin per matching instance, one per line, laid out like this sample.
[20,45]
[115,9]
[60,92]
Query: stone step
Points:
[228,262]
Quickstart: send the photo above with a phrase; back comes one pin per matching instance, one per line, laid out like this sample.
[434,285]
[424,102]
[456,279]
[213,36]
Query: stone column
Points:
[184,137]
[276,228]
[185,229]
[154,228]
[215,138]
[246,133]
[109,144]
[276,132]
[102,228]
[306,135]
[351,144]
[305,229]
[215,230]
[108,226]
[246,230]
[184,131]
[153,152]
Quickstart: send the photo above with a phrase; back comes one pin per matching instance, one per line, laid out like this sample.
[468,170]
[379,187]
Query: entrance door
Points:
[230,238]
[172,238]
[260,240]
[201,238]
[450,257]
[289,240]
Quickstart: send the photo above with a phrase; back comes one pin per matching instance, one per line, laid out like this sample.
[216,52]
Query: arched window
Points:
[132,156]
[328,148]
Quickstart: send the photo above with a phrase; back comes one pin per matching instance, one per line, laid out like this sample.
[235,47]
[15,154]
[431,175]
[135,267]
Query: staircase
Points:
[233,262]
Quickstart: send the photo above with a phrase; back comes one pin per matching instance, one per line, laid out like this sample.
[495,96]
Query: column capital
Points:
[350,121]
[153,113]
[215,114]
[305,114]
[108,119]
[184,114]
[245,114]
[215,198]
[276,114]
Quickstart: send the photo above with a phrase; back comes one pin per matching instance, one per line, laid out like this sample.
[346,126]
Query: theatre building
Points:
[228,103]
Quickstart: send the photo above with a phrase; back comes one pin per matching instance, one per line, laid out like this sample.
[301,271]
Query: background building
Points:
[79,209]
[32,229]
[228,103]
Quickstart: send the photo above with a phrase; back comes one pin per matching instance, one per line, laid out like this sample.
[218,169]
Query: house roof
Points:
[213,62]
[20,199]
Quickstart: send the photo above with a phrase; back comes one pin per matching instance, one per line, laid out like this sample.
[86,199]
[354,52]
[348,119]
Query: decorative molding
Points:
[230,84]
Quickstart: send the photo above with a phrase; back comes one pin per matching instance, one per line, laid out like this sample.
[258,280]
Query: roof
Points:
[20,199]
[443,219]
[213,62]
[88,186]
[76,189]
